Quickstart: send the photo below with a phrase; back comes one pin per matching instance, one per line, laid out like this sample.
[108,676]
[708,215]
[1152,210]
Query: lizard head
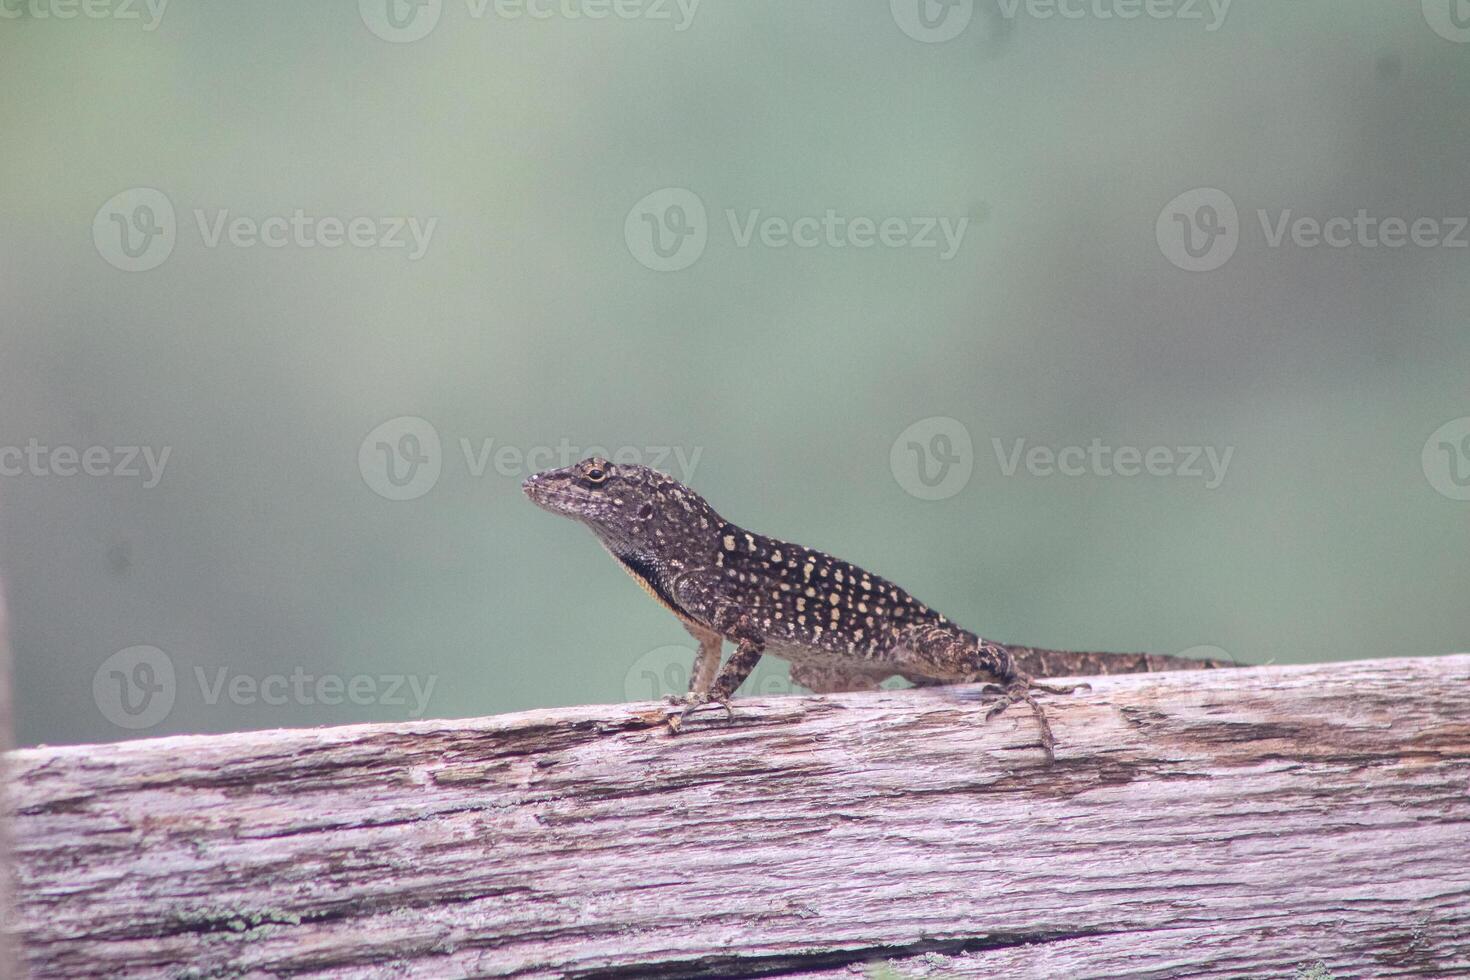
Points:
[631,508]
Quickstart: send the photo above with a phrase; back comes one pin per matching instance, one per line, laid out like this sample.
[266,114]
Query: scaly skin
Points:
[842,628]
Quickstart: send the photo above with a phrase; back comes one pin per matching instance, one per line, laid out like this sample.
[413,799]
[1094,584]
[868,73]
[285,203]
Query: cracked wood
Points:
[1203,824]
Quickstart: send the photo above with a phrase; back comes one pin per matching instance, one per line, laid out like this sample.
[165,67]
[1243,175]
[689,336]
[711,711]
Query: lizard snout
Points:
[551,491]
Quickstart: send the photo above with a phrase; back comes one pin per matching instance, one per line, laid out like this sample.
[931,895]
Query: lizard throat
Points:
[646,575]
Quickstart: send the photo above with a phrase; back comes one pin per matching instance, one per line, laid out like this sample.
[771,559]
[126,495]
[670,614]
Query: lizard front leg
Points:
[750,644]
[706,661]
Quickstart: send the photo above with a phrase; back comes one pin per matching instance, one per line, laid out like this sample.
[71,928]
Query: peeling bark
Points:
[1234,823]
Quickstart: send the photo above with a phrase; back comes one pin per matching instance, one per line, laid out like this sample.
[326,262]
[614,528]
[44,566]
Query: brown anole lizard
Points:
[841,627]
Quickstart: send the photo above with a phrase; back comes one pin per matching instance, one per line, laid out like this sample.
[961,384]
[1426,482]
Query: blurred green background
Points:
[541,316]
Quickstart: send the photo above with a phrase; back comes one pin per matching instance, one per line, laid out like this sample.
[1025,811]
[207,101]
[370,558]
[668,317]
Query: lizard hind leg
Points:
[929,654]
[1020,691]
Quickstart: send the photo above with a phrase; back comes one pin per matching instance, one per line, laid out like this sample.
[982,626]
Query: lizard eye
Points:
[595,473]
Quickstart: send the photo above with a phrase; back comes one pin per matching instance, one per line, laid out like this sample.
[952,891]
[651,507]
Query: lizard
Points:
[841,627]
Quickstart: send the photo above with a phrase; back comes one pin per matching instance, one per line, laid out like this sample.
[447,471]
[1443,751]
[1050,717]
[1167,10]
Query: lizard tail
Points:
[1068,663]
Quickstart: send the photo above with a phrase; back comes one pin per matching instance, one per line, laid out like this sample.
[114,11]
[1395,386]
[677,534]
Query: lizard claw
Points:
[692,703]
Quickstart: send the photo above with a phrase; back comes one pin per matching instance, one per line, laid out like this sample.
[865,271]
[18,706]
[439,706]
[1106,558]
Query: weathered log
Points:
[9,963]
[1259,822]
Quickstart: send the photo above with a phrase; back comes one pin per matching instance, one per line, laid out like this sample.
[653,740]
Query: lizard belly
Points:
[823,672]
[802,655]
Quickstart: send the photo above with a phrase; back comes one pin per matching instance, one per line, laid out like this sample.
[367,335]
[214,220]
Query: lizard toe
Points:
[695,702]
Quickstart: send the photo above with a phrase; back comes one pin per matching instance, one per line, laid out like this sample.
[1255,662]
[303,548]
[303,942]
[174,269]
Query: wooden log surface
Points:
[9,962]
[1300,821]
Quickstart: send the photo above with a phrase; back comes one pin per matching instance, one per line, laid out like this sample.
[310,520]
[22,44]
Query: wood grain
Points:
[1310,820]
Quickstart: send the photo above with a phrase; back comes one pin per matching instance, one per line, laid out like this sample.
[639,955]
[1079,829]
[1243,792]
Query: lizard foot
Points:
[1019,691]
[692,703]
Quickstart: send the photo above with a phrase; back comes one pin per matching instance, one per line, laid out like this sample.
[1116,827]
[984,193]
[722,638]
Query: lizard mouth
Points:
[558,500]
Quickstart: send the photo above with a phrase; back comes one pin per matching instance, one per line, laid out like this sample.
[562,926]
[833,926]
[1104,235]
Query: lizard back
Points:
[802,597]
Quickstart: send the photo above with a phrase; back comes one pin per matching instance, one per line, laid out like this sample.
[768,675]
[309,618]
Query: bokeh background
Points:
[813,393]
